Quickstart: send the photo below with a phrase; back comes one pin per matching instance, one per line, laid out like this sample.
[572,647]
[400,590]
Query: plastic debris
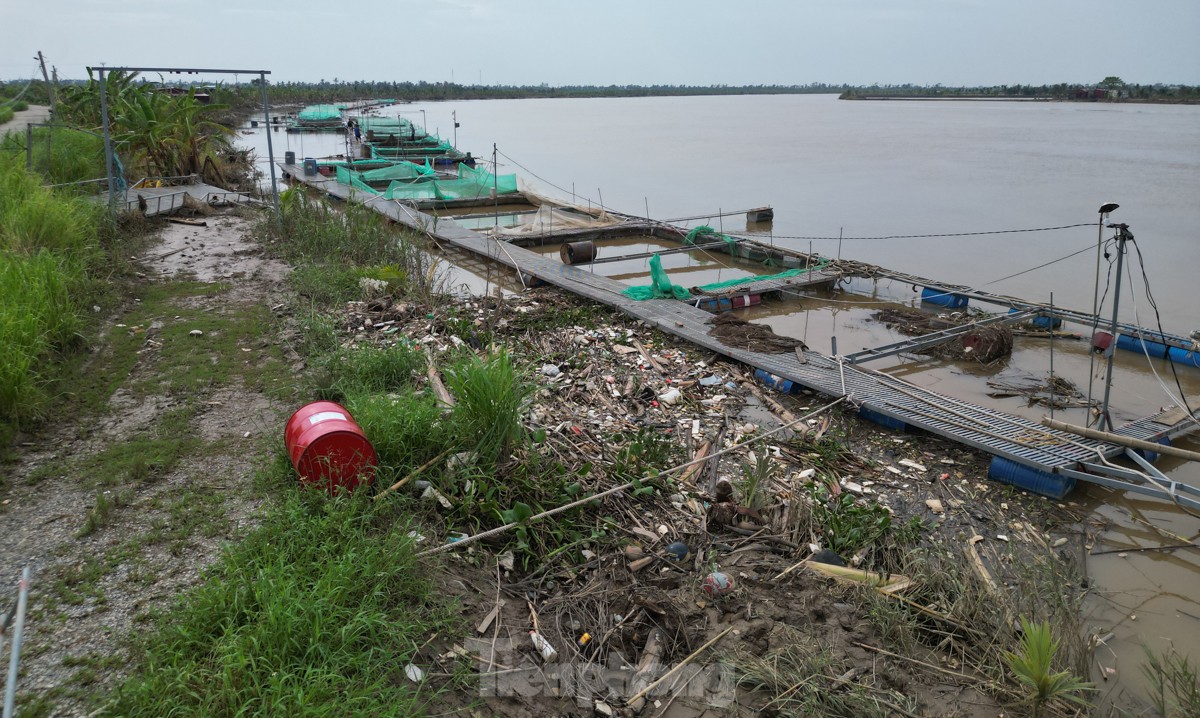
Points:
[670,396]
[678,550]
[543,646]
[717,584]
[414,673]
[711,380]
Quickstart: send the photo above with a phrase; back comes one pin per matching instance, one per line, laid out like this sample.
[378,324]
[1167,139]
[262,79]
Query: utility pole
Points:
[108,148]
[1123,235]
[49,88]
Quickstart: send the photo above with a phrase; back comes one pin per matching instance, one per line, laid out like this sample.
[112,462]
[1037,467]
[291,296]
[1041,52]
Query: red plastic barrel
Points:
[328,448]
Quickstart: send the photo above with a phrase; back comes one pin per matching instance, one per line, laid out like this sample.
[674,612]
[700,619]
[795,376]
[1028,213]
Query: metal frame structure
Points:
[108,151]
[993,431]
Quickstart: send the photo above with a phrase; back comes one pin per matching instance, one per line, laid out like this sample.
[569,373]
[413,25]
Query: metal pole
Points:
[1122,235]
[108,150]
[1110,206]
[1051,319]
[28,147]
[14,663]
[262,78]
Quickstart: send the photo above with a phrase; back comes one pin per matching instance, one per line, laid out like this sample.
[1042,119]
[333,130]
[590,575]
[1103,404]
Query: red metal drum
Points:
[328,449]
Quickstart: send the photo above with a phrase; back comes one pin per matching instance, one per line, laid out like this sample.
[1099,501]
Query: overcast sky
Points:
[953,42]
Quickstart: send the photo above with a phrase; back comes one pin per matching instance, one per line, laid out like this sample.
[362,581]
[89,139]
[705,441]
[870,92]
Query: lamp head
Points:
[1108,207]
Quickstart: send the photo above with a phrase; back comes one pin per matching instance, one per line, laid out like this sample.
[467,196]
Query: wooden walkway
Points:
[1006,435]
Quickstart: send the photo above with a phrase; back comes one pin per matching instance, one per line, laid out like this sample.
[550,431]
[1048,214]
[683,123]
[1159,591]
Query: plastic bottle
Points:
[543,646]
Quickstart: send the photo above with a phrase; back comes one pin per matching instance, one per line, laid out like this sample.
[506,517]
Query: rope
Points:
[923,236]
[623,487]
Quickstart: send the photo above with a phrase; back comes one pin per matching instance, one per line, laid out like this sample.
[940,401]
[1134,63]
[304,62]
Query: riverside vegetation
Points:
[316,608]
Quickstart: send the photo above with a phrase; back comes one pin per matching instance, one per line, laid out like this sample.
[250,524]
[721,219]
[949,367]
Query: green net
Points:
[416,182]
[402,171]
[471,184]
[706,235]
[660,286]
[320,113]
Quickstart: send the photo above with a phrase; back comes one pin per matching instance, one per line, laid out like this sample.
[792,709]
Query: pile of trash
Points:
[983,344]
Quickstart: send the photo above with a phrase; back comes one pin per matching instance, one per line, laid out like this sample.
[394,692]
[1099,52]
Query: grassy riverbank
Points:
[62,260]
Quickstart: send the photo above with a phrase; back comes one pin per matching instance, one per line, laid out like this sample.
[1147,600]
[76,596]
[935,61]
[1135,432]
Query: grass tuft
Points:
[491,397]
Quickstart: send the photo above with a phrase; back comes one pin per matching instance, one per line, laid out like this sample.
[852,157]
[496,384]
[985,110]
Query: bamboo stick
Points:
[1127,441]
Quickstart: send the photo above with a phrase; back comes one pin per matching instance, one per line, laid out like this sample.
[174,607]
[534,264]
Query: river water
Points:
[867,170]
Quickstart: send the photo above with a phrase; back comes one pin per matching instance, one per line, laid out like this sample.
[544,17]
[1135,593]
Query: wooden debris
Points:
[486,623]
[977,562]
[412,474]
[187,221]
[649,665]
[435,380]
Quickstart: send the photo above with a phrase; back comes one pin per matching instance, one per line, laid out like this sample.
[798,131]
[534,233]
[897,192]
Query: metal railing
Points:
[15,618]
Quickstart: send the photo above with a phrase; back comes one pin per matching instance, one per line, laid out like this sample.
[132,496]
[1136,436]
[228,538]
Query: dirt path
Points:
[117,513]
[35,113]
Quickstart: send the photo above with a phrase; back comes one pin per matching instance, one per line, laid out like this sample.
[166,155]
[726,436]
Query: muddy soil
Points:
[94,586]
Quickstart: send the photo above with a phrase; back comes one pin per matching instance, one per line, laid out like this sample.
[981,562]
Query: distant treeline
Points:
[247,94]
[1111,89]
[325,91]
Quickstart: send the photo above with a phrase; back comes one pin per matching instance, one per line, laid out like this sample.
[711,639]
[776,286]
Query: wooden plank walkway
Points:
[1010,436]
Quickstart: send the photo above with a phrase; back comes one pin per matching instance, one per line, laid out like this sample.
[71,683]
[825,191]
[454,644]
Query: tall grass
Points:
[37,316]
[314,614]
[491,396]
[60,155]
[330,239]
[48,244]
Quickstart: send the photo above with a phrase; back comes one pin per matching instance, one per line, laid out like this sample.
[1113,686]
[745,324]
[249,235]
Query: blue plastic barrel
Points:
[1152,456]
[310,166]
[1184,356]
[882,419]
[778,383]
[1025,477]
[1042,321]
[1133,344]
[943,299]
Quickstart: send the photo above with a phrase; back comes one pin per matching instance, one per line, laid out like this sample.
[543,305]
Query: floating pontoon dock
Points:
[1059,456]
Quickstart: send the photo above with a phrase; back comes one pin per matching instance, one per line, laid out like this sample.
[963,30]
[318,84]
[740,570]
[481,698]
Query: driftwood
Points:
[435,380]
[643,677]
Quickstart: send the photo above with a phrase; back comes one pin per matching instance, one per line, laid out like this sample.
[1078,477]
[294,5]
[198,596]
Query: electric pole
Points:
[49,88]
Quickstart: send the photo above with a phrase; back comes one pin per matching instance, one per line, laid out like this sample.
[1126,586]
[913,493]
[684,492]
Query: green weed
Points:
[1174,690]
[353,237]
[849,525]
[491,395]
[1033,665]
[368,369]
[326,285]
